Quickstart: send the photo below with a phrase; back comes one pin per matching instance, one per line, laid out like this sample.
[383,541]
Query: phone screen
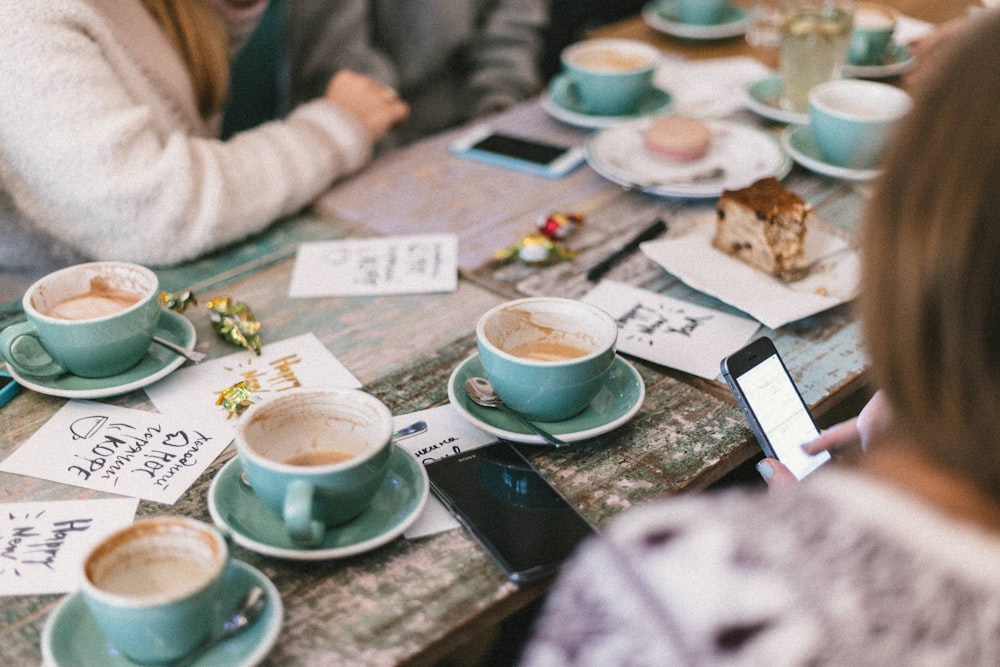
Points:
[522,149]
[525,525]
[781,414]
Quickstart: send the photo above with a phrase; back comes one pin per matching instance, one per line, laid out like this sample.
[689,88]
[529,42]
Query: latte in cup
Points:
[548,351]
[609,60]
[98,302]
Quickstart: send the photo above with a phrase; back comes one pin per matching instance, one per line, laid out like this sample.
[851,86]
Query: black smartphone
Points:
[778,416]
[8,388]
[520,519]
[506,150]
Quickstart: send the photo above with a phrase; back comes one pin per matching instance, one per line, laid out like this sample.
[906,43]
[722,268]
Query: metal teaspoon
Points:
[481,392]
[246,614]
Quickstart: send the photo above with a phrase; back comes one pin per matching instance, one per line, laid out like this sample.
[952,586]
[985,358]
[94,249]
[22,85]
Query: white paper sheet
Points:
[302,361]
[381,265]
[833,275]
[447,434]
[130,452]
[671,332]
[42,544]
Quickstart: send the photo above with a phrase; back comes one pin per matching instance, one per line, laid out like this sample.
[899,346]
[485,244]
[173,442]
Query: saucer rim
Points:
[529,438]
[275,620]
[765,110]
[312,554]
[45,386]
[654,19]
[560,112]
[881,71]
[816,163]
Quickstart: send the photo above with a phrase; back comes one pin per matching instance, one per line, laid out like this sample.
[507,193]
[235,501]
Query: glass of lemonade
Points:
[815,36]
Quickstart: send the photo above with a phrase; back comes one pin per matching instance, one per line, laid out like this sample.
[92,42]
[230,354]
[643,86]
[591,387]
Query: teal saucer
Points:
[158,363]
[897,61]
[237,510]
[763,98]
[618,401]
[562,103]
[661,15]
[72,637]
[801,145]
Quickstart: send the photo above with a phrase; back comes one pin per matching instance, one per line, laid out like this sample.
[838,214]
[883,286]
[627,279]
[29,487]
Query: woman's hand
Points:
[377,106]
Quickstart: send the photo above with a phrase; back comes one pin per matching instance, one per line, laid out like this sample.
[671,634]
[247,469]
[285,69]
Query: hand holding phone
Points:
[778,416]
[506,150]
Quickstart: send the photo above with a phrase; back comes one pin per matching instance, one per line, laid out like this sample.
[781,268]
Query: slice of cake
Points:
[765,226]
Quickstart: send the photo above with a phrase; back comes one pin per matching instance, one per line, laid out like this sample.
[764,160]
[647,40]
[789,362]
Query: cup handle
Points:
[297,514]
[20,347]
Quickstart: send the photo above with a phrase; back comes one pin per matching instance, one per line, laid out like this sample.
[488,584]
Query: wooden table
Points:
[416,601]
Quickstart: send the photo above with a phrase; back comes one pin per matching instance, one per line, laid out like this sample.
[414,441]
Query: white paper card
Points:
[383,265]
[42,545]
[133,453]
[671,332]
[446,434]
[302,361]
[833,277]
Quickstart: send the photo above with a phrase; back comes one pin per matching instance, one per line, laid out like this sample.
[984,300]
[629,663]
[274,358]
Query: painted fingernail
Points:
[765,469]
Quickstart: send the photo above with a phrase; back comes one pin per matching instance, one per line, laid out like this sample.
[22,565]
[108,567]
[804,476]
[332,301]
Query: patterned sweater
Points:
[840,571]
[103,154]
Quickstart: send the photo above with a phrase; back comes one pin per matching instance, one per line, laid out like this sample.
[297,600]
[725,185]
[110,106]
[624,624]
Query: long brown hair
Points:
[200,37]
[931,262]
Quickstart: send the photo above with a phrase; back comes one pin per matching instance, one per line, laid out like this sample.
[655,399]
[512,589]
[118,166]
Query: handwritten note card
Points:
[43,544]
[133,453]
[446,434]
[302,361]
[392,265]
[669,331]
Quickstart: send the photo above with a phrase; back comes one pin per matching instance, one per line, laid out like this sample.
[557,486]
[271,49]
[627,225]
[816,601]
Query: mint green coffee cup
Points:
[871,34]
[700,12]
[316,457]
[546,357]
[610,77]
[92,320]
[853,120]
[154,587]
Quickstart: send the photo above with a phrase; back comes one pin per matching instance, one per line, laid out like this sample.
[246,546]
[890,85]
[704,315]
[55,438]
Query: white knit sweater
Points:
[102,154]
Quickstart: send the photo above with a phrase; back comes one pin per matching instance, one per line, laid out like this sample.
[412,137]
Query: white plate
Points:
[560,103]
[762,97]
[799,142]
[660,16]
[744,154]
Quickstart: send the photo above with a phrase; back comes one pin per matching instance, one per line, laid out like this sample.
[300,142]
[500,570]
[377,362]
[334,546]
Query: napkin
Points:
[832,280]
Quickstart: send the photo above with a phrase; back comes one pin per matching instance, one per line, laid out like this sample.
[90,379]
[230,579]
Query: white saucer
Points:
[237,510]
[659,15]
[617,403]
[744,154]
[799,142]
[158,363]
[900,61]
[762,97]
[560,102]
[72,637]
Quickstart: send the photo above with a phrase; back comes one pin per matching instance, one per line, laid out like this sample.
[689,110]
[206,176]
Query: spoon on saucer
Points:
[481,392]
[190,355]
[246,614]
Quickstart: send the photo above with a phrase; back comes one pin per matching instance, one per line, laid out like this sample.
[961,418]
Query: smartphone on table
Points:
[525,525]
[8,388]
[507,150]
[767,395]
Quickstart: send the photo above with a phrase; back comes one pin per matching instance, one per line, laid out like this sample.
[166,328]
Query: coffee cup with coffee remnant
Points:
[610,77]
[852,120]
[871,35]
[700,12]
[316,457]
[93,320]
[154,587]
[546,357]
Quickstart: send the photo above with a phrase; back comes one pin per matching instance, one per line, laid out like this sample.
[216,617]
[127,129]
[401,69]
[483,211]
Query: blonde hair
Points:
[930,244]
[200,37]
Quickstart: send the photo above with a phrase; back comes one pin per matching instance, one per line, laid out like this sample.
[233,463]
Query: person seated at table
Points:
[451,60]
[896,561]
[109,113]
